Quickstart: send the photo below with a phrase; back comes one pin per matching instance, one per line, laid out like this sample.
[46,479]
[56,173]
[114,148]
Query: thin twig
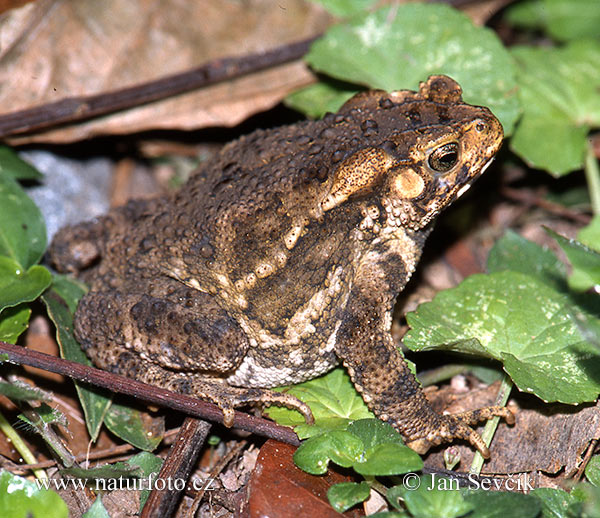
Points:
[177,468]
[524,196]
[148,393]
[74,109]
[586,459]
[592,176]
[234,452]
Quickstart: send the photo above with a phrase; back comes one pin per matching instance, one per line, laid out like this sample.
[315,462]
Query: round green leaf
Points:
[320,98]
[20,498]
[18,286]
[520,321]
[345,7]
[389,459]
[558,89]
[584,260]
[133,426]
[22,228]
[97,509]
[61,301]
[500,504]
[347,494]
[434,496]
[592,470]
[557,503]
[13,321]
[513,252]
[339,446]
[564,20]
[332,399]
[373,432]
[396,48]
[590,234]
[14,166]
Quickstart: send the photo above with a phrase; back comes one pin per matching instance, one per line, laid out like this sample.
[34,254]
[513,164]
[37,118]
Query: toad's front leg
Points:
[380,374]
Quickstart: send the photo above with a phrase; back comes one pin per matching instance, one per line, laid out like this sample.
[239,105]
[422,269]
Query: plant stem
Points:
[490,427]
[443,373]
[20,446]
[592,175]
[376,485]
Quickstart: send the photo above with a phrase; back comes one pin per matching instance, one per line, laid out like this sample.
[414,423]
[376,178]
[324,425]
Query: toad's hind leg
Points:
[181,340]
[214,390]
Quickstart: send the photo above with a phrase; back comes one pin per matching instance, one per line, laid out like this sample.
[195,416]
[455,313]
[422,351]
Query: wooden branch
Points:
[148,393]
[74,109]
[179,464]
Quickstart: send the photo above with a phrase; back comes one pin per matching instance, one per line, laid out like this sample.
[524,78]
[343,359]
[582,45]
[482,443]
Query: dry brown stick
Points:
[73,109]
[524,196]
[149,393]
[586,459]
[234,452]
[102,454]
[177,468]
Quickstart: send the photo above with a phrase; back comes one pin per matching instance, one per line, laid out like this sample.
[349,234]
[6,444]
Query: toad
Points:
[283,257]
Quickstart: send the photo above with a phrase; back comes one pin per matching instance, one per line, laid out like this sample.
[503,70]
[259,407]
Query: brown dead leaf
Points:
[56,49]
[6,5]
[279,488]
[481,12]
[547,438]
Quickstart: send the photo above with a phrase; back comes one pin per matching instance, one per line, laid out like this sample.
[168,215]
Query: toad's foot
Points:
[233,397]
[448,427]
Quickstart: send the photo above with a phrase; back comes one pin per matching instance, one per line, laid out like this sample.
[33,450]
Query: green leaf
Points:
[590,234]
[520,321]
[370,446]
[22,228]
[564,20]
[105,473]
[149,464]
[592,470]
[135,427]
[434,496]
[96,510]
[13,321]
[373,432]
[585,262]
[44,415]
[499,504]
[590,496]
[332,399]
[17,286]
[389,459]
[559,94]
[339,446]
[13,166]
[384,450]
[61,300]
[345,7]
[395,48]
[561,149]
[389,514]
[513,252]
[320,98]
[21,391]
[576,198]
[70,290]
[20,498]
[347,494]
[557,503]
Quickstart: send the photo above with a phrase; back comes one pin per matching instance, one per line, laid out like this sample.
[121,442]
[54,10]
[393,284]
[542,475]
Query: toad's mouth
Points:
[467,186]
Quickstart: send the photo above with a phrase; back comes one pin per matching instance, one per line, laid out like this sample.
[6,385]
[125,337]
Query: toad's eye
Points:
[444,158]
